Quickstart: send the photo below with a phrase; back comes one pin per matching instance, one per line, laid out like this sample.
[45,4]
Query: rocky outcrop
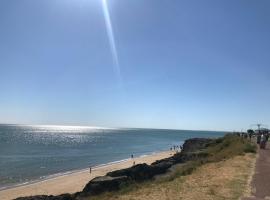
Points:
[195,145]
[45,197]
[103,184]
[142,172]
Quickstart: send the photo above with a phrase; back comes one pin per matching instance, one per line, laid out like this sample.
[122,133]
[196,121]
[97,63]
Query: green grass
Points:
[250,148]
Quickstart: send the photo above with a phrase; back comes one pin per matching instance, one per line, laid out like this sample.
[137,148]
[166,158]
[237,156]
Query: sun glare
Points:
[111,38]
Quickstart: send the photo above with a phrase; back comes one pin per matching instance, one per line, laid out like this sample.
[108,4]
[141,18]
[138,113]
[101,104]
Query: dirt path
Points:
[261,180]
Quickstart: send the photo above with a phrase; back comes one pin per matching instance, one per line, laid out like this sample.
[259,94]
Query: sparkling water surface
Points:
[29,153]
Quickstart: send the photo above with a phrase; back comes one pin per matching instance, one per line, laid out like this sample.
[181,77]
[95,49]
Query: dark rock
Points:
[176,158]
[142,172]
[45,197]
[103,184]
[195,144]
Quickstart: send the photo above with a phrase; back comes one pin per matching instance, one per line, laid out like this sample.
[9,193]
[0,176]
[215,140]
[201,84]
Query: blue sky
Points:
[183,64]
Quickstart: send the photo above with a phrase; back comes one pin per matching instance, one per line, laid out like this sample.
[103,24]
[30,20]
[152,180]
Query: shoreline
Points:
[74,181]
[66,173]
[61,174]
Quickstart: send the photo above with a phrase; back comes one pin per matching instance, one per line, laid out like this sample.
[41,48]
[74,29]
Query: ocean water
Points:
[30,153]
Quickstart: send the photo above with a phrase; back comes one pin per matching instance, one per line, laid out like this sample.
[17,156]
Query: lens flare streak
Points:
[111,38]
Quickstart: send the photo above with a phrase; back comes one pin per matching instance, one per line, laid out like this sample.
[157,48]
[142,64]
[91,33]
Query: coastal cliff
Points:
[195,152]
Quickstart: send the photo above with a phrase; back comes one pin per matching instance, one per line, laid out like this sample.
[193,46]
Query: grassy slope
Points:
[223,174]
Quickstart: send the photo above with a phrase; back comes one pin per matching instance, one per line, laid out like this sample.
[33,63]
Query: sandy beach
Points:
[76,181]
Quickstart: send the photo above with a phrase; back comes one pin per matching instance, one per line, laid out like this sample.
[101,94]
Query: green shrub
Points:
[250,148]
[227,147]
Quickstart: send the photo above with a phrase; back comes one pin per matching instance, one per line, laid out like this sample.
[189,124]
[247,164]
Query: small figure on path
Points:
[259,138]
[263,141]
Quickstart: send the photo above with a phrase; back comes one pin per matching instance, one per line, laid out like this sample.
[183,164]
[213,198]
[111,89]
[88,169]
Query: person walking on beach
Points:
[90,169]
[132,158]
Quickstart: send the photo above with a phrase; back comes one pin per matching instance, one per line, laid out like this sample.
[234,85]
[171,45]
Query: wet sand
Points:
[76,181]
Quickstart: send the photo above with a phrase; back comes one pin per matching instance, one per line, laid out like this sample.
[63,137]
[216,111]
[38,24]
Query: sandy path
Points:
[74,182]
